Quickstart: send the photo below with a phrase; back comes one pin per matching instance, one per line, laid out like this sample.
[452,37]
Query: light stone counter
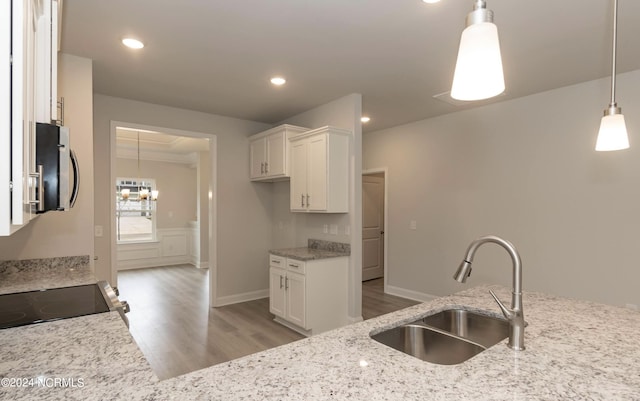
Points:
[95,354]
[39,274]
[316,249]
[576,350]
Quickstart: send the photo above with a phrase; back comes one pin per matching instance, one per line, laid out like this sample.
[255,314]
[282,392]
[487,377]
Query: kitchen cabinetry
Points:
[28,81]
[269,153]
[309,297]
[18,23]
[47,62]
[320,171]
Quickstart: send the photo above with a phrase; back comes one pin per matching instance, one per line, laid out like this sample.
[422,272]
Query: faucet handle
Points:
[508,313]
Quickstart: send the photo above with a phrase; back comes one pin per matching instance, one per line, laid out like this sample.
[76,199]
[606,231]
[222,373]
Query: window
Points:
[135,210]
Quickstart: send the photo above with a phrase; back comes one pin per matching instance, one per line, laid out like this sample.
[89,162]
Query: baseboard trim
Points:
[201,265]
[152,262]
[244,297]
[409,294]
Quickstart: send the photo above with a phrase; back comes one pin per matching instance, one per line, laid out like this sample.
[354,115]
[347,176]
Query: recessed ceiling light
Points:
[431,1]
[365,119]
[132,43]
[278,81]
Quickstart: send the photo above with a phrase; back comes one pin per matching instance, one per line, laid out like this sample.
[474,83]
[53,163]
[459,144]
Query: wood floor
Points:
[178,333]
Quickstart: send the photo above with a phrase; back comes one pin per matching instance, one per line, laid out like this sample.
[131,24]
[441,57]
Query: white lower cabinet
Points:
[309,297]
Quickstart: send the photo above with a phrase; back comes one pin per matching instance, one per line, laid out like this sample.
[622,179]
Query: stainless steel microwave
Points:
[56,163]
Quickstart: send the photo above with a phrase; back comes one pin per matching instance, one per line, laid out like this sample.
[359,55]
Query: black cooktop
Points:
[24,308]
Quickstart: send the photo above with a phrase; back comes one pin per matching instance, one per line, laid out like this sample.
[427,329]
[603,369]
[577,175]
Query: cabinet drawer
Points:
[277,261]
[297,266]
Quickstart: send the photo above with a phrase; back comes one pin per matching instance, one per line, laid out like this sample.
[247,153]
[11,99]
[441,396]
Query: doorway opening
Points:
[373,224]
[163,204]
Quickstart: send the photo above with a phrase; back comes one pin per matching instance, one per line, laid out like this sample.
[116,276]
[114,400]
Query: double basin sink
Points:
[449,337]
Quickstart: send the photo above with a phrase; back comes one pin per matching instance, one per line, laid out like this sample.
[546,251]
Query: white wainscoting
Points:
[171,248]
[194,246]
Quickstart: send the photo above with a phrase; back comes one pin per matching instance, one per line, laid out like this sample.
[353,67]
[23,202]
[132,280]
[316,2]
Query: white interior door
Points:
[372,227]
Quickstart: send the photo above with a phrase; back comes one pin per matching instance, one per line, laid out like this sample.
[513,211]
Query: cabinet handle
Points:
[266,167]
[40,176]
[286,283]
[308,204]
[301,200]
[280,282]
[262,168]
[276,261]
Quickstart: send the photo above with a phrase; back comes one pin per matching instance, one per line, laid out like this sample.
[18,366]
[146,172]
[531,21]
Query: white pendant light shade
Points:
[612,134]
[478,74]
[613,131]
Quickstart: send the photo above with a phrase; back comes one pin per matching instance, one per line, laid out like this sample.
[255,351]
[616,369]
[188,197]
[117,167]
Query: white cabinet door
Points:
[296,299]
[320,171]
[47,63]
[258,155]
[276,152]
[317,173]
[5,117]
[277,292]
[298,187]
[18,27]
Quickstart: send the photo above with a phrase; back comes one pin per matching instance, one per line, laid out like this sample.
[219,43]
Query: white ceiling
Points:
[217,56]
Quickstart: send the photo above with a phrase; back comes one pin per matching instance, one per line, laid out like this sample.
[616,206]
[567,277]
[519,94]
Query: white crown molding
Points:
[123,152]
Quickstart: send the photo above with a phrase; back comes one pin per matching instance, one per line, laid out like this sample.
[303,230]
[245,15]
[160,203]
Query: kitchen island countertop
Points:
[576,350]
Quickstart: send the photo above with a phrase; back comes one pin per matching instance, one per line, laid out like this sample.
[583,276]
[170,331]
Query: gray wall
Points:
[525,170]
[70,233]
[244,222]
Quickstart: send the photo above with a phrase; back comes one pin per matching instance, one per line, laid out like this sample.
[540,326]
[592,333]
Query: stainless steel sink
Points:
[482,329]
[448,337]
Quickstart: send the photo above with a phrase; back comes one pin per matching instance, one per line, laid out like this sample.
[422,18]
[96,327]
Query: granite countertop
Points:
[40,274]
[306,254]
[95,354]
[316,249]
[576,350]
[571,355]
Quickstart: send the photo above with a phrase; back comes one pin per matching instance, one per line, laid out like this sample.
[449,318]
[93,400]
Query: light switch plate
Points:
[333,229]
[413,225]
[98,231]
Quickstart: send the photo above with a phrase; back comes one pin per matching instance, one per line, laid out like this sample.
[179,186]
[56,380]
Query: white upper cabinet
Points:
[269,153]
[320,171]
[47,62]
[20,21]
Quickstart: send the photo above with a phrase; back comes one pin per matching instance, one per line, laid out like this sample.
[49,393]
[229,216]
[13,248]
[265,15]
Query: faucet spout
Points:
[515,314]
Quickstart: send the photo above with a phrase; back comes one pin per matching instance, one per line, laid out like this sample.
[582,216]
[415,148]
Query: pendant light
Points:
[478,74]
[613,131]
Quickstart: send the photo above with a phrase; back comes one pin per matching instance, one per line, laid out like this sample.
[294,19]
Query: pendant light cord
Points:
[615,43]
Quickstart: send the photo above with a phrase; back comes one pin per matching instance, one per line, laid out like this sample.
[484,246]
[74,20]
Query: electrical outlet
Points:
[333,229]
[413,225]
[325,229]
[98,231]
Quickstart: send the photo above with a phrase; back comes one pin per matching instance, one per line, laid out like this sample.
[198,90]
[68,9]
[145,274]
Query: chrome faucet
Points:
[515,315]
